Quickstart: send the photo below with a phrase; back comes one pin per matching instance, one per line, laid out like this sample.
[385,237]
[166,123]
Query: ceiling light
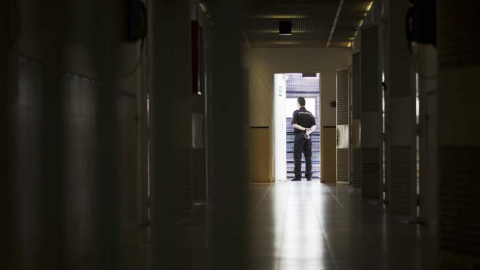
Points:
[285,28]
[203,7]
[274,32]
[288,42]
[369,6]
[360,24]
[281,16]
[349,44]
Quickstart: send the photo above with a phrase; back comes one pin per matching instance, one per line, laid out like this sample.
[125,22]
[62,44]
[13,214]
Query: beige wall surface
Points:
[259,167]
[263,63]
[329,156]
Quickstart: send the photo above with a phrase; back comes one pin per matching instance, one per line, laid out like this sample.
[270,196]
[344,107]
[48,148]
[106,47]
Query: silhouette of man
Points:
[303,123]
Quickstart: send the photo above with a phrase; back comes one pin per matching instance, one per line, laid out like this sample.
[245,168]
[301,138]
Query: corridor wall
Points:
[73,86]
[458,128]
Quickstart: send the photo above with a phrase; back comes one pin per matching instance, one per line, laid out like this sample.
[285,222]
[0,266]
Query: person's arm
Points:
[311,130]
[313,125]
[295,121]
[296,126]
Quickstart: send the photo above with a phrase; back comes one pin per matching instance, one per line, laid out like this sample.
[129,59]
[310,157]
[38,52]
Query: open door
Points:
[342,126]
[280,91]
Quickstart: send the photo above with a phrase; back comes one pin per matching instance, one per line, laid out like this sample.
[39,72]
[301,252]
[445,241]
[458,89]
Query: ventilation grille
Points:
[356,87]
[342,97]
[357,167]
[182,180]
[459,203]
[199,175]
[342,165]
[401,185]
[198,103]
[370,173]
[369,70]
[459,33]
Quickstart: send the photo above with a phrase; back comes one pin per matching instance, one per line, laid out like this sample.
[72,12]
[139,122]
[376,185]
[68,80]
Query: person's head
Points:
[301,102]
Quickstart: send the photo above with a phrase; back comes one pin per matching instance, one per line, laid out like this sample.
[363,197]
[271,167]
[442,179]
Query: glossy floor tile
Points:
[310,225]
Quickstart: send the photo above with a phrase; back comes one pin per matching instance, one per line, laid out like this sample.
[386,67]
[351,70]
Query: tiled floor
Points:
[309,225]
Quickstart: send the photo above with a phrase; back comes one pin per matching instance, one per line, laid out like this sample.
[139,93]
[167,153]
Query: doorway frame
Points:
[273,124]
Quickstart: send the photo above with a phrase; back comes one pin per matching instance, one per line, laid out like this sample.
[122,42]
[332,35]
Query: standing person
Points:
[303,123]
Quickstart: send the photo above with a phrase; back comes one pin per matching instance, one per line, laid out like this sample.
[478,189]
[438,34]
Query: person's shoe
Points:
[296,179]
[309,179]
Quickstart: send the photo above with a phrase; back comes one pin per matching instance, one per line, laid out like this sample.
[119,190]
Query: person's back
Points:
[304,124]
[303,118]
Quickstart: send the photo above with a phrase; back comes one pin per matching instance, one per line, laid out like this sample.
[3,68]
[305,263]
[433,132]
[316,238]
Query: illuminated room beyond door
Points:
[288,87]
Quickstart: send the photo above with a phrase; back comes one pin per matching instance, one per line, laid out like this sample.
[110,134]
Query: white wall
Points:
[264,63]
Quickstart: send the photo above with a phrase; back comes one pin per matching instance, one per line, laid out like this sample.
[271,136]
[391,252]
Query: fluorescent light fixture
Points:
[203,7]
[360,24]
[349,44]
[274,31]
[281,16]
[286,42]
[285,28]
[369,6]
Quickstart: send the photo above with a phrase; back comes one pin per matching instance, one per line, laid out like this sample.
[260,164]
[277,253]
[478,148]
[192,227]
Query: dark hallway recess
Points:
[140,134]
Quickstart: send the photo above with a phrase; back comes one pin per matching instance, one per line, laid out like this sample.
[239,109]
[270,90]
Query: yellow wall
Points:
[329,155]
[259,165]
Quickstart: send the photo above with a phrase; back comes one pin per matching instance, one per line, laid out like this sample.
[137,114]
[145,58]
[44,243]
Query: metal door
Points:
[401,118]
[355,125]
[371,115]
[342,126]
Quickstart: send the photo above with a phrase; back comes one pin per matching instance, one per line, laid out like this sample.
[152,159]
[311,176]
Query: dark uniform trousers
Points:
[304,145]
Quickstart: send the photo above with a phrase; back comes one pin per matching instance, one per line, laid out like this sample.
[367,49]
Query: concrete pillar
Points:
[107,188]
[7,67]
[229,121]
[458,133]
[170,130]
[63,189]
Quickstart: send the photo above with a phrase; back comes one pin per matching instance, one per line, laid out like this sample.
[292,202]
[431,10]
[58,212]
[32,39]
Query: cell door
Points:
[355,145]
[401,118]
[342,126]
[371,115]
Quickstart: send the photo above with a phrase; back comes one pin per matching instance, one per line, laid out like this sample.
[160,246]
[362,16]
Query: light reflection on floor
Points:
[309,225]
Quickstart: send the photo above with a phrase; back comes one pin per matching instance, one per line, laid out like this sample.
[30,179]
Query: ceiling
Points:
[312,22]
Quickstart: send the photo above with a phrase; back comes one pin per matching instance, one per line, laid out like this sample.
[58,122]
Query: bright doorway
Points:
[287,88]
